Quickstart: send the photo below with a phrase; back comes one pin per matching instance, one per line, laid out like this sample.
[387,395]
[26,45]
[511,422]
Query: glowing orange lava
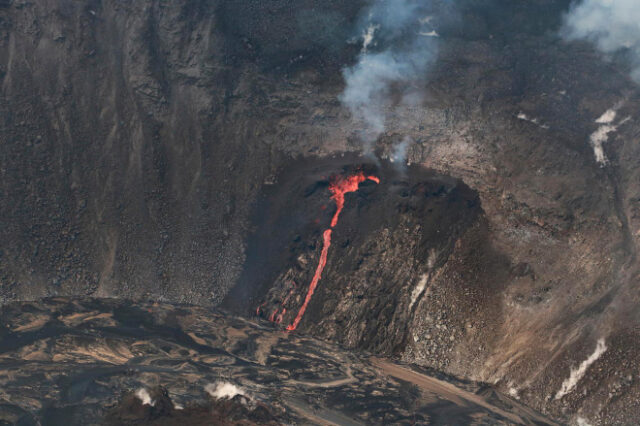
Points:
[326,236]
[339,186]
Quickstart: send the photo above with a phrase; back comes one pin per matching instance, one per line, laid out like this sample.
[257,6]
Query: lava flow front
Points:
[339,186]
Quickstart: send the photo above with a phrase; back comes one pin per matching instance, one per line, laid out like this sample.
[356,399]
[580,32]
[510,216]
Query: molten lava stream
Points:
[339,187]
[326,236]
[275,316]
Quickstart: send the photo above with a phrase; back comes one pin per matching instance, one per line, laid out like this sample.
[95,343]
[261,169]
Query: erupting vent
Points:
[339,186]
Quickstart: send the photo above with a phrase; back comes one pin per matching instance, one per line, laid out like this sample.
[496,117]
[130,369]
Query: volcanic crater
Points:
[183,153]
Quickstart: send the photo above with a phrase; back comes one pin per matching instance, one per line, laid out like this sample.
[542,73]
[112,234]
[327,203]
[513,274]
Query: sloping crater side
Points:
[390,239]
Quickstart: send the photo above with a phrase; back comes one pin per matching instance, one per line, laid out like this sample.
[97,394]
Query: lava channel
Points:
[338,186]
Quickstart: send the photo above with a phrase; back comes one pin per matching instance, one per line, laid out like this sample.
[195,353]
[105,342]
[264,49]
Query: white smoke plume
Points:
[612,25]
[399,45]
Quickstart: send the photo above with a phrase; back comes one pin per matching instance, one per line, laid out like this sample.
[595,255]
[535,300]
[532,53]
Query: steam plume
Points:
[224,390]
[398,155]
[399,45]
[612,25]
[143,395]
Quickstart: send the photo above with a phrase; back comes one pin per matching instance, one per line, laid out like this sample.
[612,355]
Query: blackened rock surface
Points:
[235,411]
[71,361]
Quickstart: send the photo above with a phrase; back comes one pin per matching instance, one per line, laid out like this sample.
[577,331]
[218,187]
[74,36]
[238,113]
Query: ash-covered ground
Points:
[182,152]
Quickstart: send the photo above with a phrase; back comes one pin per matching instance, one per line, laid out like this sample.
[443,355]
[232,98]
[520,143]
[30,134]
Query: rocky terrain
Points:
[67,361]
[146,147]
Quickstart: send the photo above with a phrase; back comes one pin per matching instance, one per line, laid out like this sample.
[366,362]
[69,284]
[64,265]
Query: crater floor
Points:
[76,361]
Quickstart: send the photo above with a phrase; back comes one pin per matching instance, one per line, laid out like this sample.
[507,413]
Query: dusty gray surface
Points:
[135,139]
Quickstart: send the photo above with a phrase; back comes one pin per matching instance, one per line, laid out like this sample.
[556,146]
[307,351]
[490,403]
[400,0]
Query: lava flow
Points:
[339,186]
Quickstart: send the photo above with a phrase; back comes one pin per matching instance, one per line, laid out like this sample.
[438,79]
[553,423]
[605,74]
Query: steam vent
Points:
[306,212]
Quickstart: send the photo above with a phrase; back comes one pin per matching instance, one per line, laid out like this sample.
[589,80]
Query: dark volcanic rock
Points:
[113,362]
[236,411]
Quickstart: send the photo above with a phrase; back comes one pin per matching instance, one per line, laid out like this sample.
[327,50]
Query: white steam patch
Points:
[601,135]
[578,373]
[418,289]
[513,393]
[224,390]
[597,139]
[426,21]
[582,422]
[431,33]
[367,36]
[525,117]
[612,25]
[608,117]
[143,395]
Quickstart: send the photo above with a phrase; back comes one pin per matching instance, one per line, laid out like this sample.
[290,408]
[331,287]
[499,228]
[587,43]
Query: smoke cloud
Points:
[612,25]
[399,44]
